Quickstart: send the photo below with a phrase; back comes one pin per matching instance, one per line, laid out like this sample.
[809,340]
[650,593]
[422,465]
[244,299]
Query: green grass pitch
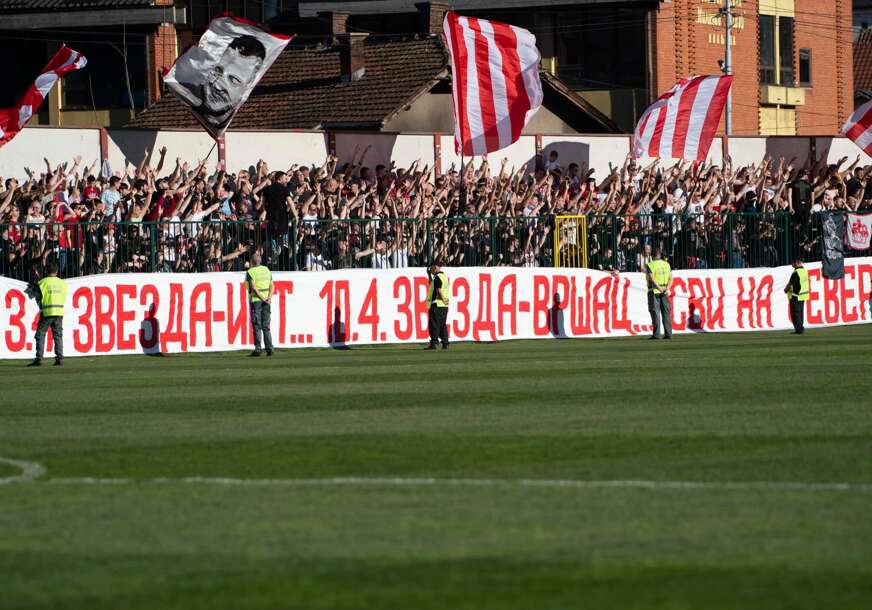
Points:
[113,525]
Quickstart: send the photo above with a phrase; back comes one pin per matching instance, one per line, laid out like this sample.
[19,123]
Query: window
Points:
[785,51]
[103,84]
[776,50]
[805,67]
[767,50]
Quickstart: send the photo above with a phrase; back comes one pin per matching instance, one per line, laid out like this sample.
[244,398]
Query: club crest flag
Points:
[216,77]
[859,231]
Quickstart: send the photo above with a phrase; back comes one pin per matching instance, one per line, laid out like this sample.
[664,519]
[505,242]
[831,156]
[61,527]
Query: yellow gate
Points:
[570,241]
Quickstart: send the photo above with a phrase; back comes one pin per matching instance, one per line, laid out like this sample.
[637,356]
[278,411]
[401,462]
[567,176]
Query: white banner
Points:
[148,313]
[859,231]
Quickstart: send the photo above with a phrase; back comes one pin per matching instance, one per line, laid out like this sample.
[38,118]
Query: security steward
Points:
[51,292]
[437,301]
[659,276]
[260,290]
[797,294]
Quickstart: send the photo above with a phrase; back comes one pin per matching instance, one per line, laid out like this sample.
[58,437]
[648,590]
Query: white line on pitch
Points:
[29,471]
[449,482]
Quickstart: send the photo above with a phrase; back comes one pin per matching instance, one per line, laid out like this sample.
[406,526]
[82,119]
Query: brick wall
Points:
[830,99]
[162,49]
[688,39]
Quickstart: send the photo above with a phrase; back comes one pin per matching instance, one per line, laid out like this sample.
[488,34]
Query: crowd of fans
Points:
[185,217]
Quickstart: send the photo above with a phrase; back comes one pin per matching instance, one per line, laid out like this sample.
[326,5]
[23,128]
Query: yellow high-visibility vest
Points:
[440,299]
[53,292]
[258,277]
[660,272]
[802,273]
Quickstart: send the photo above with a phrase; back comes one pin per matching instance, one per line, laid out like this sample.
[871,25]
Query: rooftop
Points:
[303,89]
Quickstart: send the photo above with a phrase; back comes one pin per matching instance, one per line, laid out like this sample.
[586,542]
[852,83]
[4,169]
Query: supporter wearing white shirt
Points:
[315,260]
[110,196]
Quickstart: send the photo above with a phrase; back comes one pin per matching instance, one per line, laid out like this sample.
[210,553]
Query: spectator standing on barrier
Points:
[51,292]
[260,289]
[437,302]
[797,290]
[279,203]
[659,276]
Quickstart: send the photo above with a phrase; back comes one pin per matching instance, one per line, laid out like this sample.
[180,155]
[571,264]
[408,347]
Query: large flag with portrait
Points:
[216,77]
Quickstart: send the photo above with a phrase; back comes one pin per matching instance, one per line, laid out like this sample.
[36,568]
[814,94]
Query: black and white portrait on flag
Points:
[833,244]
[216,77]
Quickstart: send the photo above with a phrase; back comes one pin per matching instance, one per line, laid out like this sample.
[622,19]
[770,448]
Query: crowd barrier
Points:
[173,313]
[613,242]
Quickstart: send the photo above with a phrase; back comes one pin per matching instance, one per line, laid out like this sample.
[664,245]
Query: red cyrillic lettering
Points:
[238,323]
[813,315]
[123,315]
[461,308]
[104,323]
[174,332]
[510,307]
[404,285]
[484,321]
[200,316]
[149,330]
[16,321]
[601,304]
[283,289]
[83,345]
[849,313]
[541,302]
[421,286]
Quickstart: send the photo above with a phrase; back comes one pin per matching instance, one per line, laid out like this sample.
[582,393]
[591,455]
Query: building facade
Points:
[792,60]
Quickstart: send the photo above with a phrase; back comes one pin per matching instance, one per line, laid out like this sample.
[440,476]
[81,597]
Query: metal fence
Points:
[621,243]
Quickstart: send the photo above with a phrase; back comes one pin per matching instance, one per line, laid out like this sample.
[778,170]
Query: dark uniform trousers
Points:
[438,325]
[797,315]
[56,323]
[658,306]
[260,319]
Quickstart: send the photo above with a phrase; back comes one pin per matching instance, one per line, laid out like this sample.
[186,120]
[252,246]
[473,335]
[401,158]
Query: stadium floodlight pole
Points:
[727,13]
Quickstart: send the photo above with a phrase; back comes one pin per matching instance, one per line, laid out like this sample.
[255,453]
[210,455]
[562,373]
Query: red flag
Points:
[496,85]
[859,127]
[682,123]
[13,120]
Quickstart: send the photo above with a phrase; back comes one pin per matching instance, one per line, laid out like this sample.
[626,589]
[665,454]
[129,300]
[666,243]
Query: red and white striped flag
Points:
[496,85]
[13,120]
[682,123]
[859,127]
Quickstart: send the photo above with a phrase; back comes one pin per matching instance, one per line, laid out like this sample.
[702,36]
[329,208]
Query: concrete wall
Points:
[521,153]
[58,145]
[436,111]
[130,144]
[280,149]
[836,148]
[432,109]
[386,147]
